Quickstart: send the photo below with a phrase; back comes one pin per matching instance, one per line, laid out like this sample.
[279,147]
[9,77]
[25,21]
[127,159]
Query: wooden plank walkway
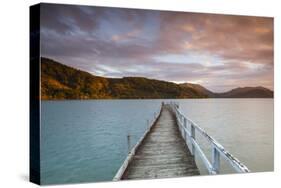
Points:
[163,153]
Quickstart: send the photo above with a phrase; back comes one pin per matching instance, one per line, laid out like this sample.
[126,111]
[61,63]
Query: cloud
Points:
[219,51]
[65,19]
[126,36]
[231,37]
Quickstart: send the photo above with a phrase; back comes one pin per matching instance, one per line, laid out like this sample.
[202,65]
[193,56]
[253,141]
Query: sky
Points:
[220,52]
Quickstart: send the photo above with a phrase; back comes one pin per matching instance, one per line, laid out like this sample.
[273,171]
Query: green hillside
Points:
[59,81]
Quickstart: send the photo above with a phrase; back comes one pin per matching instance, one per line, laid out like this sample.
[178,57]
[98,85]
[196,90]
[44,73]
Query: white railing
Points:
[124,166]
[188,130]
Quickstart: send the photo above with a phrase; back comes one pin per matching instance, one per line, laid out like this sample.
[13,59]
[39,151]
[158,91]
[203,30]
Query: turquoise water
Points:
[243,126]
[86,141]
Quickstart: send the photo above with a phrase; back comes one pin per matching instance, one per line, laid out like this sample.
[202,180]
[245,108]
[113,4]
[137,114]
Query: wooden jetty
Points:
[168,148]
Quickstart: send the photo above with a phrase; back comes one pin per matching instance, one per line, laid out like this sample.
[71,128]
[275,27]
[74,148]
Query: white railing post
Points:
[192,132]
[184,125]
[215,159]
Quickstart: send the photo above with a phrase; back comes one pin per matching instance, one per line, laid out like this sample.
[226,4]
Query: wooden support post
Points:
[215,159]
[129,142]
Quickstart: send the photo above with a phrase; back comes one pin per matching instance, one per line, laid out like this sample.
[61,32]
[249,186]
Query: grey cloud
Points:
[70,35]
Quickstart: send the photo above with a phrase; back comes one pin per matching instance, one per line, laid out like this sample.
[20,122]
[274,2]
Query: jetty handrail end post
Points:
[215,159]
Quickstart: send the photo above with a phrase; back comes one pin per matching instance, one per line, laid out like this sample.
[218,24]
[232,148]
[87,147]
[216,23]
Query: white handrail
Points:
[218,150]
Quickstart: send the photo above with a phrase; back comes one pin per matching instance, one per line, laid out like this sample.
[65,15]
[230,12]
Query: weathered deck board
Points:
[162,153]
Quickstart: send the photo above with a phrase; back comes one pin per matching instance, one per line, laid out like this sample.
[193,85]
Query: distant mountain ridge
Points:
[247,92]
[240,92]
[59,81]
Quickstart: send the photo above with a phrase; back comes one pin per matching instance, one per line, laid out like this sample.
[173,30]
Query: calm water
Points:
[86,141]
